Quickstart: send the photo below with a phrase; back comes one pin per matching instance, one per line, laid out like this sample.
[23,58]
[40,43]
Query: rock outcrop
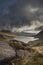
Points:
[6,52]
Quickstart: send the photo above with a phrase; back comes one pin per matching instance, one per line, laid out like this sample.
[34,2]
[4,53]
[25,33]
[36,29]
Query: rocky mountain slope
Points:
[40,35]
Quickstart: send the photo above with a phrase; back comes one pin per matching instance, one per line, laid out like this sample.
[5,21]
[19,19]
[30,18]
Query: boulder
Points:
[6,52]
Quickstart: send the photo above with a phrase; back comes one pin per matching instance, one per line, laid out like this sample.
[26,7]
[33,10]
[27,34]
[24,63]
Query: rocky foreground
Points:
[13,52]
[18,53]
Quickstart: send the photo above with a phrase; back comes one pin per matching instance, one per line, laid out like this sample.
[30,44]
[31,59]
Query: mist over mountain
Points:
[18,13]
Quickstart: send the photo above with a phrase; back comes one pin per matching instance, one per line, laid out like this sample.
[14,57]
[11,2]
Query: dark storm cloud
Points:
[31,9]
[20,12]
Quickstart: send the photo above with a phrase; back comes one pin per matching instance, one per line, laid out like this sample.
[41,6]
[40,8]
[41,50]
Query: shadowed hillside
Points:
[40,35]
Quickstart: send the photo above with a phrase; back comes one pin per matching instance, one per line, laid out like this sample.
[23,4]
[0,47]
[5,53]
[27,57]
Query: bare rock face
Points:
[6,52]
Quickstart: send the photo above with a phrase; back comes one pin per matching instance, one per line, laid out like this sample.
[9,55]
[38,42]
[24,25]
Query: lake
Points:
[25,38]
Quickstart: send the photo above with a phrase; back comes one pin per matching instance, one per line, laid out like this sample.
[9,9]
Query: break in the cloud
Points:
[16,13]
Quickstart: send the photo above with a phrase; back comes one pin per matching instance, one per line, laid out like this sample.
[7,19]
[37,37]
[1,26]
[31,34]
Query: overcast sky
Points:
[21,12]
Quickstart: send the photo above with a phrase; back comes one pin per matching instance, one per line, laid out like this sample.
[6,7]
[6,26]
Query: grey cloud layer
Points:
[20,12]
